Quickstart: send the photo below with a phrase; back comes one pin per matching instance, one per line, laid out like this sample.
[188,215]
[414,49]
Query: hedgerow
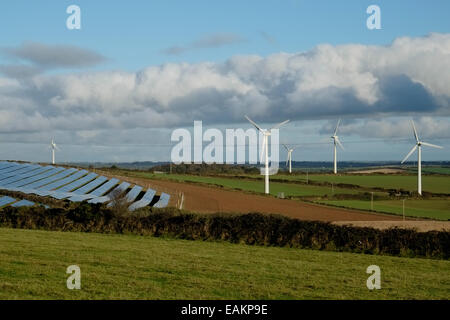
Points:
[251,229]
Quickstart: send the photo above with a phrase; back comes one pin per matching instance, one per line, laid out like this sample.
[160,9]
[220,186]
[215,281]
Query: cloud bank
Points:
[408,77]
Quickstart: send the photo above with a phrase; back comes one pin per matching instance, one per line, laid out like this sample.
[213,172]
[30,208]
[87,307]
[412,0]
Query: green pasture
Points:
[289,189]
[33,266]
[435,209]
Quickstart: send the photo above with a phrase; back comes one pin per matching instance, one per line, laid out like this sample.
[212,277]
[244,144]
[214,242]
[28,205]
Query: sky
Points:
[136,70]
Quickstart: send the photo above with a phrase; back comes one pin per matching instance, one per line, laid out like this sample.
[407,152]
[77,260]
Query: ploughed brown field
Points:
[207,199]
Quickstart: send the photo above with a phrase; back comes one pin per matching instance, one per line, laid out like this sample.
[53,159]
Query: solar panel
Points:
[16,175]
[133,194]
[11,169]
[78,183]
[163,201]
[91,185]
[104,188]
[42,184]
[4,164]
[64,192]
[145,201]
[4,201]
[81,197]
[60,183]
[22,170]
[23,203]
[32,179]
[37,173]
[121,188]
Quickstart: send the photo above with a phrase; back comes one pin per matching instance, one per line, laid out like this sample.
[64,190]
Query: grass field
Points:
[251,185]
[430,183]
[436,184]
[33,265]
[436,209]
[436,170]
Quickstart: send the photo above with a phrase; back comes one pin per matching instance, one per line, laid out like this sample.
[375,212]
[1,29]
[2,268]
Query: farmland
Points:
[326,189]
[435,209]
[33,265]
[292,190]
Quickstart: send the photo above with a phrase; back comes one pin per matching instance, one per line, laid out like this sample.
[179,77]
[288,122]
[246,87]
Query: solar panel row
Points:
[74,184]
[163,201]
[145,201]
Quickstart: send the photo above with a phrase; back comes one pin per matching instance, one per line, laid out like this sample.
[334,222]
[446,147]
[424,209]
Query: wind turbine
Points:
[54,147]
[419,157]
[289,156]
[336,141]
[265,149]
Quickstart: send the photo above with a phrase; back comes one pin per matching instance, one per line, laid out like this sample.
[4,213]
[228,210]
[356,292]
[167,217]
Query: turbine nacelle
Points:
[418,143]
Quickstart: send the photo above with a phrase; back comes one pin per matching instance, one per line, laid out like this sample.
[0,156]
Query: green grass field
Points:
[33,265]
[430,183]
[251,185]
[436,184]
[436,170]
[436,209]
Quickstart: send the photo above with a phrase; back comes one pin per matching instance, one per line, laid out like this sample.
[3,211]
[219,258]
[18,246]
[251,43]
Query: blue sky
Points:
[126,40]
[133,34]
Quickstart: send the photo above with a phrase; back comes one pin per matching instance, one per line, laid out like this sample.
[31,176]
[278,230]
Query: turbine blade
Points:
[337,126]
[286,147]
[339,143]
[431,145]
[415,132]
[279,125]
[410,153]
[254,124]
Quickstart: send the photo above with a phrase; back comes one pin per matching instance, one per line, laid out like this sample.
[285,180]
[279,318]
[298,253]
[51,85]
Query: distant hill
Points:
[246,168]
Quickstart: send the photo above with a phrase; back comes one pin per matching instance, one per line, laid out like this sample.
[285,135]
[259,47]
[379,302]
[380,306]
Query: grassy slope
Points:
[33,264]
[436,209]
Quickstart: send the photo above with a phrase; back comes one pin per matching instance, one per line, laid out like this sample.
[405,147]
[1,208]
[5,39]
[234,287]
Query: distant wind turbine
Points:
[336,141]
[265,148]
[54,147]
[419,157]
[289,156]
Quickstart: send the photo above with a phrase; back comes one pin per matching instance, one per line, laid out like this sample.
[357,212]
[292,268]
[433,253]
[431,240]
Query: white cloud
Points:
[353,81]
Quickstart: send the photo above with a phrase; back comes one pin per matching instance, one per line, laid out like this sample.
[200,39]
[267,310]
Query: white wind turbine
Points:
[419,157]
[265,149]
[54,147]
[336,141]
[289,156]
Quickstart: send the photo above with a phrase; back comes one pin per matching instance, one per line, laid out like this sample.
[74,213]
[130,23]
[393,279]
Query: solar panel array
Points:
[72,184]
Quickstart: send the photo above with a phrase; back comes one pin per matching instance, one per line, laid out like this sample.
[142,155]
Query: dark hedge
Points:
[252,229]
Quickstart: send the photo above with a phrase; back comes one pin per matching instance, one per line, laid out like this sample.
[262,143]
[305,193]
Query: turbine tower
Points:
[54,147]
[265,149]
[418,146]
[289,156]
[336,141]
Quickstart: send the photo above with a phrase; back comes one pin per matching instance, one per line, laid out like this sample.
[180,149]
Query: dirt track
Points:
[206,199]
